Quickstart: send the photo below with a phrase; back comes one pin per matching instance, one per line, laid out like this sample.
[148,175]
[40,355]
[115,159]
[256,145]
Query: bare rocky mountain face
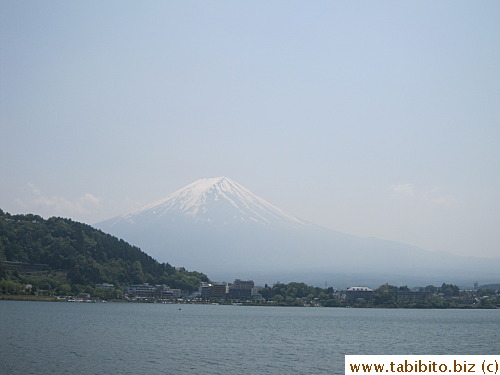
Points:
[218,227]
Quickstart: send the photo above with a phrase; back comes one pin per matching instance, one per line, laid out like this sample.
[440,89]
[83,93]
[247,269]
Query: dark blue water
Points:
[124,338]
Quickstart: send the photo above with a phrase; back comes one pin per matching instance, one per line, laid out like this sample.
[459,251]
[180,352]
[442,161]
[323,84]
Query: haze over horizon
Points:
[373,119]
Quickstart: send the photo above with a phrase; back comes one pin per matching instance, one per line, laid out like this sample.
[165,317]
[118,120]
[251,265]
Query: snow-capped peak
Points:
[218,199]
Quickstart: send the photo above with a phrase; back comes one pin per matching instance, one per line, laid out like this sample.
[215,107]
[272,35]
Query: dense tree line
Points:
[445,296]
[83,255]
[448,290]
[298,294]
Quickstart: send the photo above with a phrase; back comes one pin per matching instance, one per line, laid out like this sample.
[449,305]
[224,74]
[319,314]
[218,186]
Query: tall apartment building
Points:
[219,290]
[359,292]
[205,290]
[241,289]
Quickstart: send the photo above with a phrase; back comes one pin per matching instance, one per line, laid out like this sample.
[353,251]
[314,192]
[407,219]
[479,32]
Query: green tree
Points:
[384,295]
[137,273]
[485,292]
[449,290]
[3,273]
[10,287]
[278,299]
[65,289]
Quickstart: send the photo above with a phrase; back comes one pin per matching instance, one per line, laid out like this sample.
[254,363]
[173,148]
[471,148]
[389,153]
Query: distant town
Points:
[299,294]
[245,292]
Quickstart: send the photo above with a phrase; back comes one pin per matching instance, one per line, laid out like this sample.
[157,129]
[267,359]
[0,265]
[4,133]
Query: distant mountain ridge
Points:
[217,225]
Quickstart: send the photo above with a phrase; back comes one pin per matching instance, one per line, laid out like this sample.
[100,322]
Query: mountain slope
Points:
[217,225]
[85,254]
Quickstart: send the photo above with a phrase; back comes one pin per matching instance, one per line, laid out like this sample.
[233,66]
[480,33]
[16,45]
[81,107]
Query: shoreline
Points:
[20,297]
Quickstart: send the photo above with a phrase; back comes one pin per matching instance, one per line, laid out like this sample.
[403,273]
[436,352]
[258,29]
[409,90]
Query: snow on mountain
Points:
[214,200]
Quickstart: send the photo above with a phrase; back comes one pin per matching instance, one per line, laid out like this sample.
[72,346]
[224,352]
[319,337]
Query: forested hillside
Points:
[80,256]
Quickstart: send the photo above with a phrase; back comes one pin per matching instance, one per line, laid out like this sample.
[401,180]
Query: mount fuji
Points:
[219,227]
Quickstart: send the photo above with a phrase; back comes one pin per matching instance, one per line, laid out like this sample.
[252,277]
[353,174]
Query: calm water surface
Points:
[125,338]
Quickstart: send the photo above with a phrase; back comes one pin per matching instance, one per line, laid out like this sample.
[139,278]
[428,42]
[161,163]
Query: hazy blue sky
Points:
[376,118]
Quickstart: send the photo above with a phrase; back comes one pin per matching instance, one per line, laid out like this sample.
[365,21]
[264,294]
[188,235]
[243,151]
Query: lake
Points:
[131,338]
